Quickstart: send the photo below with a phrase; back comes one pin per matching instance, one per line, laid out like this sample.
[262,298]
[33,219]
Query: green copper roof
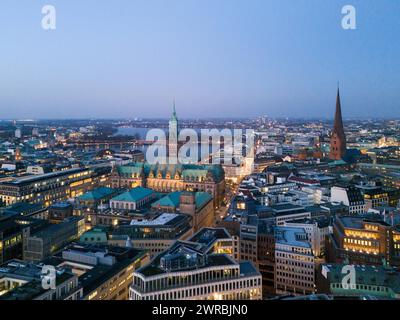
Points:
[172,200]
[194,173]
[202,198]
[97,234]
[174,117]
[134,195]
[131,169]
[97,194]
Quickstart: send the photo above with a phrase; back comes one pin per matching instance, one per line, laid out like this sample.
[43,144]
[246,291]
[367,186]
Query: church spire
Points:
[174,117]
[338,126]
[338,137]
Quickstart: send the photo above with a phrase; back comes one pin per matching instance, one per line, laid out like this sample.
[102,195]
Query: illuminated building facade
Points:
[53,187]
[170,178]
[363,241]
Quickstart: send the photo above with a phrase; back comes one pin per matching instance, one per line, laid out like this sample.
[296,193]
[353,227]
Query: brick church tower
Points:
[338,138]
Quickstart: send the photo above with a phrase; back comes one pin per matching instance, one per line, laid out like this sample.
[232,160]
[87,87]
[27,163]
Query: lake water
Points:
[132,131]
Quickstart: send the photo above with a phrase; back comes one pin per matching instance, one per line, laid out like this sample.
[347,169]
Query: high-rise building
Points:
[338,137]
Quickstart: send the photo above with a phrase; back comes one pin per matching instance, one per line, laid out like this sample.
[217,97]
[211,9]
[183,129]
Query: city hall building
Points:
[172,177]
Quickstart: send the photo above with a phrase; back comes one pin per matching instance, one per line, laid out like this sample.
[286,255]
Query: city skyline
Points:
[280,59]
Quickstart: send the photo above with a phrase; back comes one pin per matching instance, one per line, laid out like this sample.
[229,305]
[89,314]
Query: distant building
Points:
[18,155]
[18,133]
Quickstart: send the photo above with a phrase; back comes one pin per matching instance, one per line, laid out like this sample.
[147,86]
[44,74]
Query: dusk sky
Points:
[218,58]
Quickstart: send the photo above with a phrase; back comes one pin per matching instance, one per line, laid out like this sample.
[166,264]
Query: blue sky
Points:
[130,58]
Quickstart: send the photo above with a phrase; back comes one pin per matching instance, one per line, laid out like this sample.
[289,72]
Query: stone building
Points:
[173,177]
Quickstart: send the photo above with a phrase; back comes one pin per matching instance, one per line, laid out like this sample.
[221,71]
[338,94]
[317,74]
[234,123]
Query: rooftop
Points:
[97,194]
[133,195]
[116,259]
[367,275]
[163,219]
[292,236]
[30,179]
[173,200]
[357,222]
[207,236]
